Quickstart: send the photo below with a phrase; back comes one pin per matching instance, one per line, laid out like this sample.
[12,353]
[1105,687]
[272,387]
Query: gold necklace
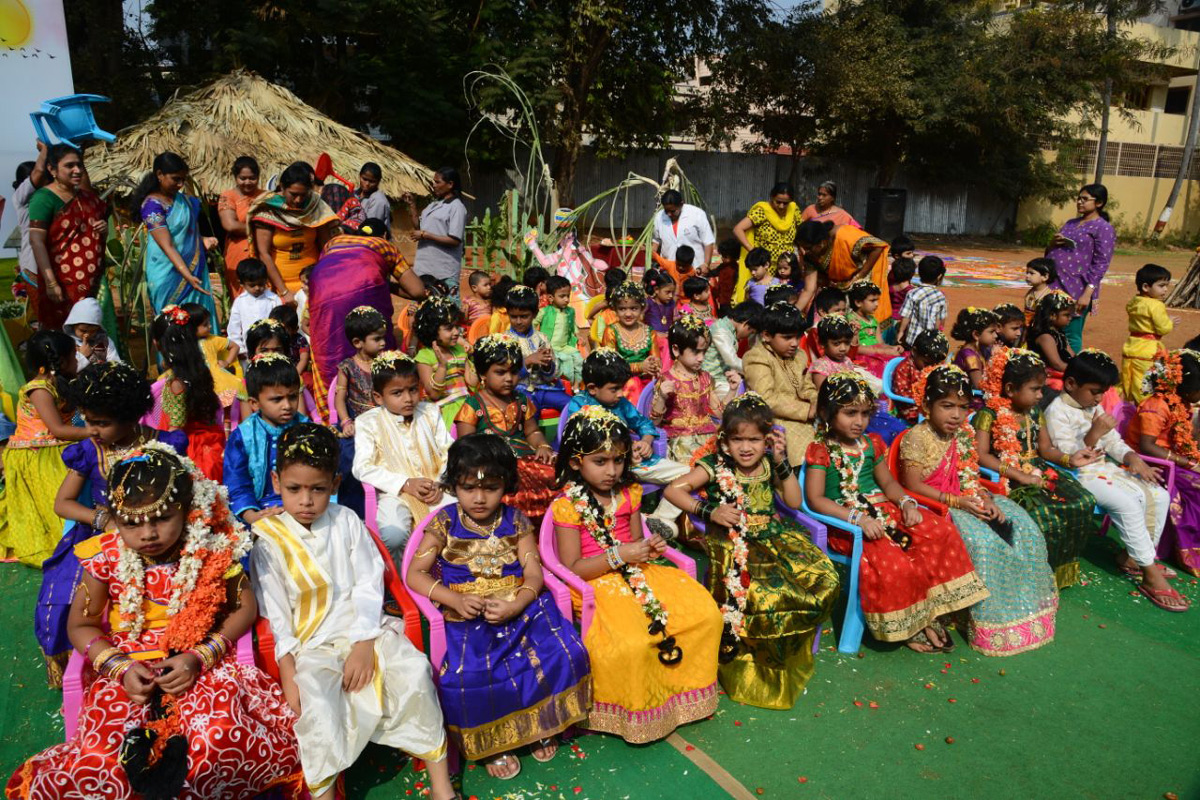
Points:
[488,531]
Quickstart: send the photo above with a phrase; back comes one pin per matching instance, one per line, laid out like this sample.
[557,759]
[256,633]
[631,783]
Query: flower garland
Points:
[1164,379]
[737,578]
[968,460]
[214,541]
[599,525]
[849,468]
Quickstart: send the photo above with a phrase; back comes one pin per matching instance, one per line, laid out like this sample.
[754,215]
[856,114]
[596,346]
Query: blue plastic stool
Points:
[855,622]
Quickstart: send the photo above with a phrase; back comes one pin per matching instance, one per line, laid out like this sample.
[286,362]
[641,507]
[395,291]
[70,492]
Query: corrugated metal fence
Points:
[730,183]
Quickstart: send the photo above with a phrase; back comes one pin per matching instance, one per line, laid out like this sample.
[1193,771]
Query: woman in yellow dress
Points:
[768,224]
[288,229]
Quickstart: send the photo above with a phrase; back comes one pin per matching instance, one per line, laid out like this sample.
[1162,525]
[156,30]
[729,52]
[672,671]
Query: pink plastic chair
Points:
[548,550]
[310,406]
[433,615]
[73,687]
[333,415]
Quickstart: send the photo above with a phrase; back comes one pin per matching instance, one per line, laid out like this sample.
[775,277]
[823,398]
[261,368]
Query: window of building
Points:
[1177,100]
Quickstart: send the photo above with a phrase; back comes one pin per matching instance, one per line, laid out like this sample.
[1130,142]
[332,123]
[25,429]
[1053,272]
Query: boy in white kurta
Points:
[346,668]
[1131,497]
[400,449]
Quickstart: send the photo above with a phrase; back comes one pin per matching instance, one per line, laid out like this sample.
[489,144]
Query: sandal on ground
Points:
[1134,571]
[1157,597]
[544,744]
[948,647]
[503,759]
[919,638]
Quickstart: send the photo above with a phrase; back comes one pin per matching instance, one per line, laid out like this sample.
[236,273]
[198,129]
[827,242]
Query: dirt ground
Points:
[1108,328]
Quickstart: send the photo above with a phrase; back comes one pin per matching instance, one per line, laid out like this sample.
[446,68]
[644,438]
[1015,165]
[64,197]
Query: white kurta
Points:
[693,229]
[399,708]
[387,452]
[1137,508]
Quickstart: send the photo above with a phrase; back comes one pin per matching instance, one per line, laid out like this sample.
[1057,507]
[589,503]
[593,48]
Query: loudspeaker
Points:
[885,212]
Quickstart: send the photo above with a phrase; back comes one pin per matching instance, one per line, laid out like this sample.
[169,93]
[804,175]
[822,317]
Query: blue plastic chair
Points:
[643,408]
[889,374]
[820,537]
[855,622]
[71,120]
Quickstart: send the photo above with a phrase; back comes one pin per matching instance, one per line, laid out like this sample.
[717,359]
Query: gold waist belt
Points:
[487,585]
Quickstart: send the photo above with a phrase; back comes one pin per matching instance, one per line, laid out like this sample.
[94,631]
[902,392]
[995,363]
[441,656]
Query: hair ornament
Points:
[158,456]
[594,419]
[861,283]
[1057,301]
[1007,308]
[850,389]
[628,291]
[835,325]
[267,322]
[1097,353]
[946,372]
[310,442]
[521,290]
[269,358]
[691,323]
[176,315]
[364,311]
[747,400]
[389,359]
[605,355]
[502,344]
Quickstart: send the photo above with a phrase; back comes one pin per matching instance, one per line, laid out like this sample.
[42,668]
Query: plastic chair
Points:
[855,622]
[478,329]
[889,374]
[73,688]
[333,414]
[310,405]
[71,120]
[437,624]
[643,408]
[893,463]
[818,530]
[548,551]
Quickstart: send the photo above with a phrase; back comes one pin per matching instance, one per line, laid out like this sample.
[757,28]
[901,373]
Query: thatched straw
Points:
[243,114]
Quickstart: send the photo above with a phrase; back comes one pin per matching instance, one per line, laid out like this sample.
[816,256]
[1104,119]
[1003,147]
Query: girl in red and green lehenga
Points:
[914,567]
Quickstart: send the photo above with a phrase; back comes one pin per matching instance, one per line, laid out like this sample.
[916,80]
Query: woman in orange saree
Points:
[233,208]
[844,254]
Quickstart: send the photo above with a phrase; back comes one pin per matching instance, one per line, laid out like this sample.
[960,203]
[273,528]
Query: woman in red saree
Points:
[844,254]
[67,231]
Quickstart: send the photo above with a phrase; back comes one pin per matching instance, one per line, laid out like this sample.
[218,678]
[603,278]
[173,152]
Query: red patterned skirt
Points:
[903,591]
[535,487]
[240,743]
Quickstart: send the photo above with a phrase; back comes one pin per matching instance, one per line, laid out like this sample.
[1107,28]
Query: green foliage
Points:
[1040,235]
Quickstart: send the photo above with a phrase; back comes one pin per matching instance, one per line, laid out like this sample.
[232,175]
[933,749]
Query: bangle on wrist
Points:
[529,589]
[429,594]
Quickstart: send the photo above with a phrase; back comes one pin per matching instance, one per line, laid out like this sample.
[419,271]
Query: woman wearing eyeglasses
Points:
[1082,251]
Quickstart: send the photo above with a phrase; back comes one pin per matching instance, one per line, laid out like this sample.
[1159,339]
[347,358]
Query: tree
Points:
[604,69]
[108,57]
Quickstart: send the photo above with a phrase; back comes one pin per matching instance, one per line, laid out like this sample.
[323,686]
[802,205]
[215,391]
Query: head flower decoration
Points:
[504,345]
[691,323]
[589,420]
[835,326]
[605,355]
[848,388]
[861,283]
[1004,429]
[1100,354]
[176,315]
[521,290]
[1163,380]
[747,399]
[270,358]
[389,359]
[628,291]
[267,322]
[1058,300]
[942,371]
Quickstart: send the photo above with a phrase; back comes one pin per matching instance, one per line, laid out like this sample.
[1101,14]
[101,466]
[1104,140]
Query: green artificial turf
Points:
[1103,712]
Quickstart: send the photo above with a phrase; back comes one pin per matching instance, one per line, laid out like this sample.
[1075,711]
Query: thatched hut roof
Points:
[244,114]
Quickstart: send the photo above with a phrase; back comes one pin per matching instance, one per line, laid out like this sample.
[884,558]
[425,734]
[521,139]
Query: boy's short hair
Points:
[251,270]
[758,257]
[903,270]
[389,365]
[729,248]
[270,369]
[604,366]
[748,313]
[902,244]
[1009,312]
[827,298]
[1044,266]
[783,293]
[782,318]
[286,315]
[1150,274]
[1092,366]
[931,269]
[362,322]
[534,276]
[685,256]
[477,277]
[521,297]
[315,446]
[556,283]
[694,286]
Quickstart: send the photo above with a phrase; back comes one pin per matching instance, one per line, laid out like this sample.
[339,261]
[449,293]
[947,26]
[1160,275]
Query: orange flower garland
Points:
[1165,378]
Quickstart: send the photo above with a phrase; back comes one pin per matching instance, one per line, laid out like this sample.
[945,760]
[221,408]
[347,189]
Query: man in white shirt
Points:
[680,223]
[31,175]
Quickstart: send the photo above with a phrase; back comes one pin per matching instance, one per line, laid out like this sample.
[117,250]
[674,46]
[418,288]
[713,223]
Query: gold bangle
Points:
[429,594]
[103,656]
[528,588]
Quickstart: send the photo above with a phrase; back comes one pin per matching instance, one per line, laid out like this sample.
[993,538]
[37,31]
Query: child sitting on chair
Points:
[685,402]
[930,349]
[400,449]
[556,321]
[347,670]
[539,377]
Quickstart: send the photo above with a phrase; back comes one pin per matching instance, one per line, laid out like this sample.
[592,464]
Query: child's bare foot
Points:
[545,749]
[922,642]
[505,766]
